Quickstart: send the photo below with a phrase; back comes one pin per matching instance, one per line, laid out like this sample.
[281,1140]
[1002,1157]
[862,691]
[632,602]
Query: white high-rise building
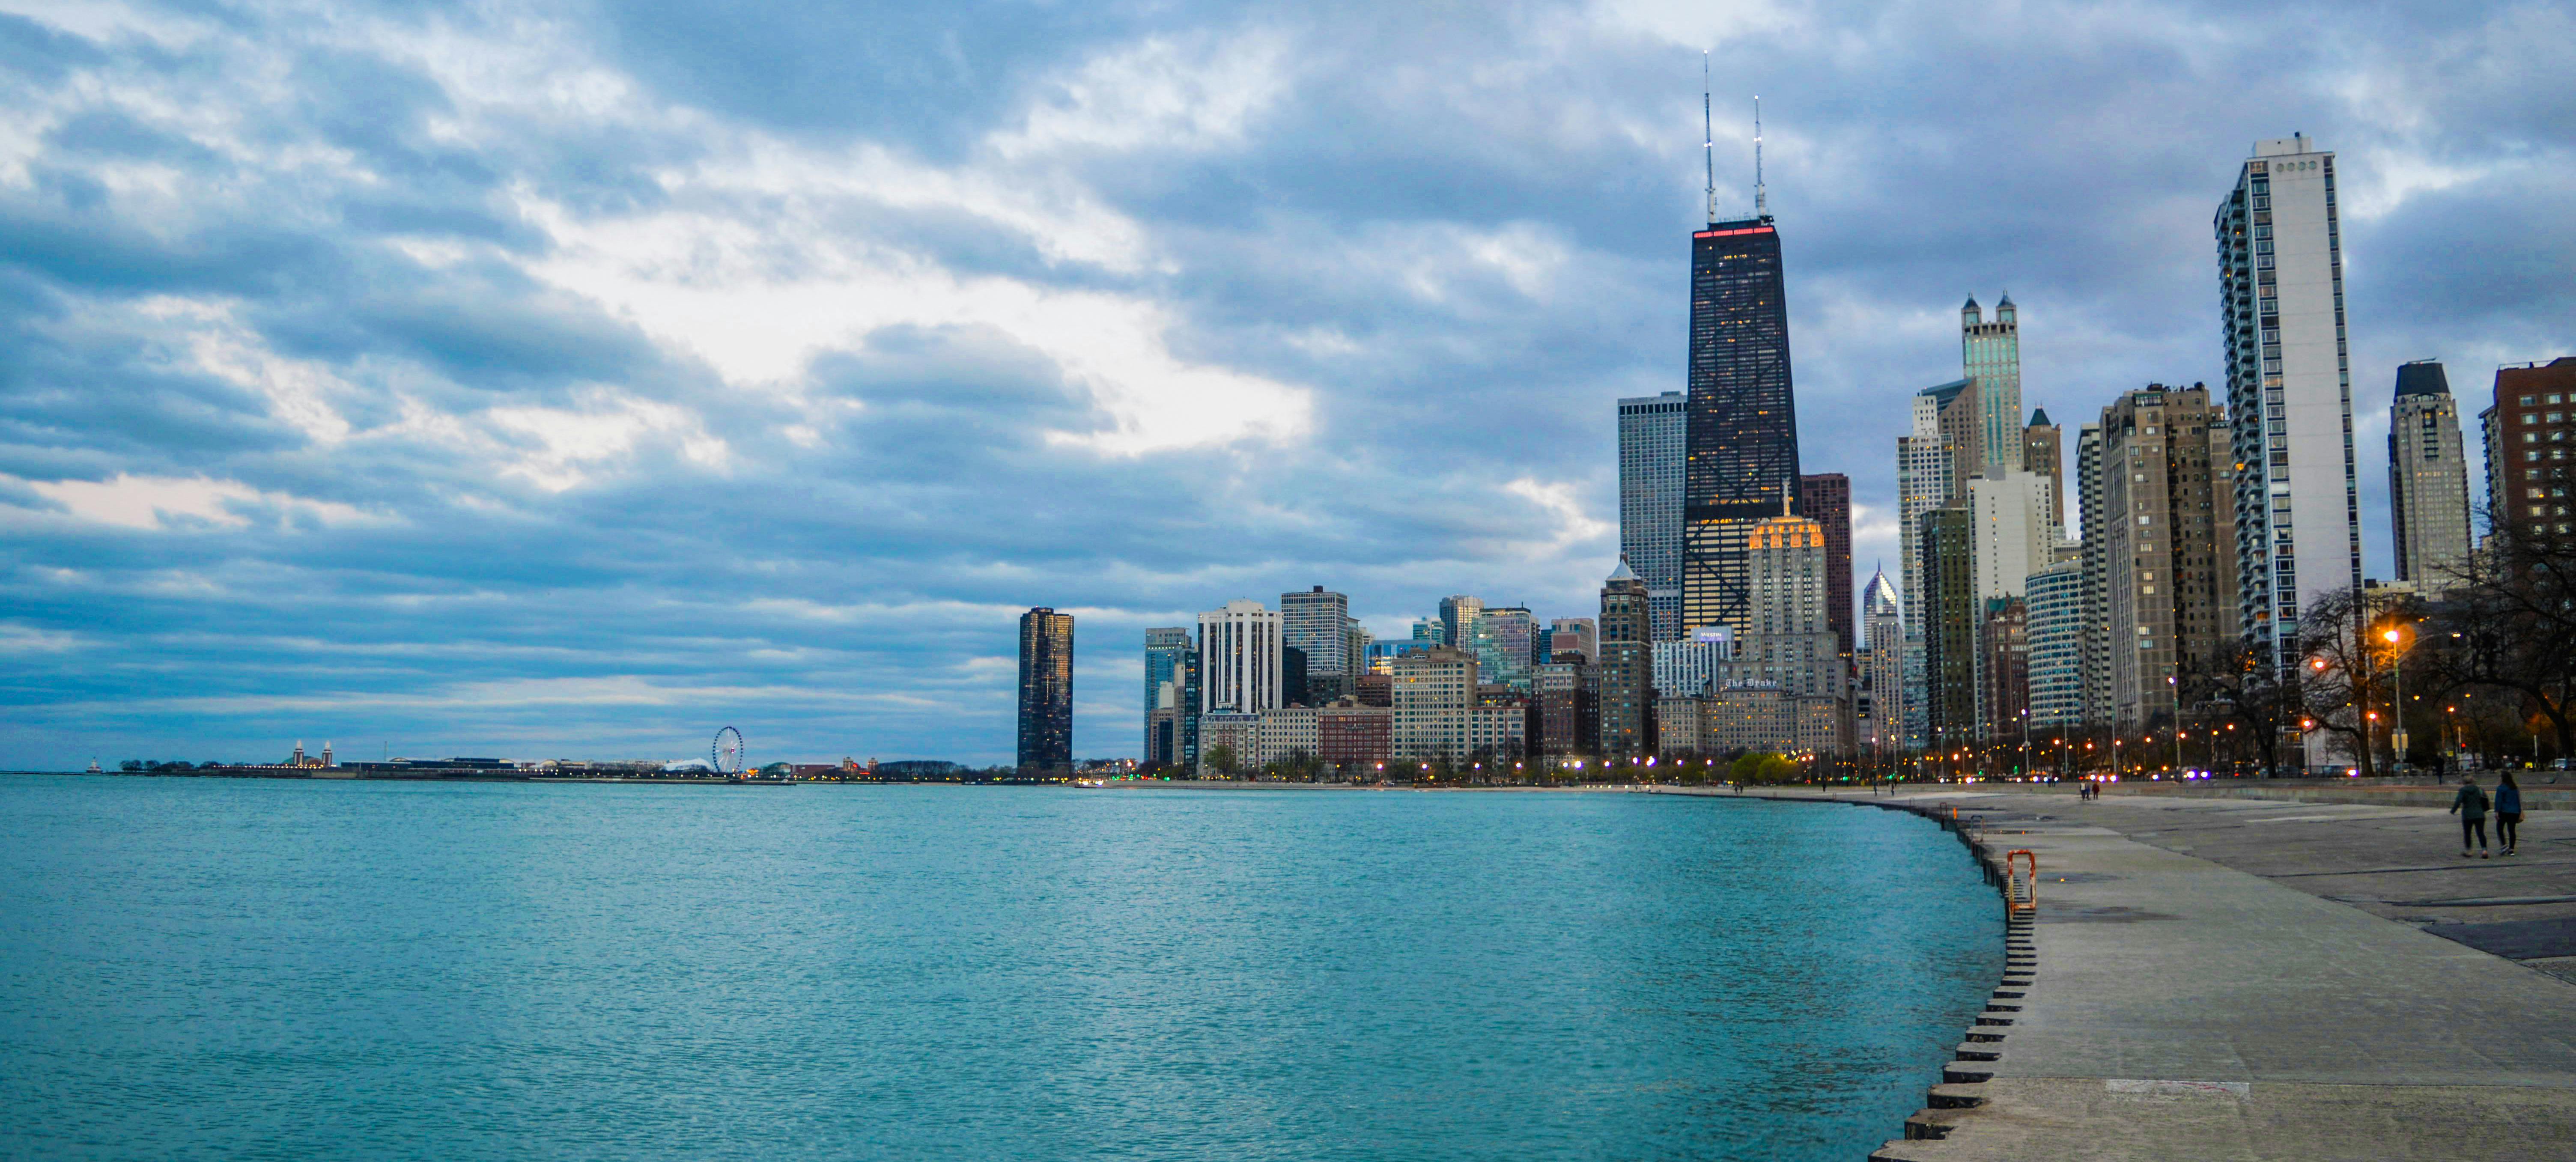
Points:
[2428,481]
[1990,353]
[2289,383]
[1239,659]
[2014,538]
[1652,454]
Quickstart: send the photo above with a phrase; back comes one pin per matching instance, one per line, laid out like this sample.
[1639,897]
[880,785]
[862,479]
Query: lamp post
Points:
[2173,683]
[2397,701]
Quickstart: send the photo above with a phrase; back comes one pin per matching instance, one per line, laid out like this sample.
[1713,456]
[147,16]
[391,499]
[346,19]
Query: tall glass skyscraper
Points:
[1742,432]
[2289,391]
[1046,692]
[1653,446]
[1743,429]
[1990,353]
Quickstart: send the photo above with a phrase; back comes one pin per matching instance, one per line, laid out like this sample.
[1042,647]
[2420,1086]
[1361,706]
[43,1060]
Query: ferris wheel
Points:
[726,756]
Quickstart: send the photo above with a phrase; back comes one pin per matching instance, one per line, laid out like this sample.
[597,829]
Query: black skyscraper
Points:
[1743,429]
[1046,692]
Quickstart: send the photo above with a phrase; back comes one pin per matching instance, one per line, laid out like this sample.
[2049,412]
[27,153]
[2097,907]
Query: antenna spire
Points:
[1708,138]
[1761,197]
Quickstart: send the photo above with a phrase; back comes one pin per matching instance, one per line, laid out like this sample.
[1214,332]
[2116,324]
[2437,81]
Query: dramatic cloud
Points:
[560,381]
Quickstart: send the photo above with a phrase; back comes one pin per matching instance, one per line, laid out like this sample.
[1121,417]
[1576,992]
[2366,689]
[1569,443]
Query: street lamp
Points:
[2397,690]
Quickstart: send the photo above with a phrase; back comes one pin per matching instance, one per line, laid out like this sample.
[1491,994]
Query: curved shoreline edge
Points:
[2193,1010]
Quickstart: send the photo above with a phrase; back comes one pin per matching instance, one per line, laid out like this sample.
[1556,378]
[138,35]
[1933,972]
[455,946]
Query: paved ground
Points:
[2222,978]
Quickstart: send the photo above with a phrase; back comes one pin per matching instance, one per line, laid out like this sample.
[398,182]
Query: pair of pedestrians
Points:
[2471,806]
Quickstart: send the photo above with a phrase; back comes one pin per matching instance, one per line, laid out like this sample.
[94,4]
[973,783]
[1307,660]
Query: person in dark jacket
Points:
[2471,806]
[2508,805]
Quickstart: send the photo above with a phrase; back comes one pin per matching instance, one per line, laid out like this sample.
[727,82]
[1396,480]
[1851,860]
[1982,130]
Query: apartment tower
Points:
[1046,692]
[2289,390]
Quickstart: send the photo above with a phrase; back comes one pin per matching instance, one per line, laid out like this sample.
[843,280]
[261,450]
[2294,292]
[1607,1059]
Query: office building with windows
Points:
[1990,354]
[1653,450]
[1317,622]
[2531,439]
[1240,661]
[2428,480]
[1046,692]
[2297,500]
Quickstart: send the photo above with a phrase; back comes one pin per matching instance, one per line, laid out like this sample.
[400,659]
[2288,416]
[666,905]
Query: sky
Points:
[574,380]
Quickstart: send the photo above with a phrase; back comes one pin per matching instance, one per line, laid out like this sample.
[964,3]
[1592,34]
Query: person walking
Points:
[2471,806]
[2508,806]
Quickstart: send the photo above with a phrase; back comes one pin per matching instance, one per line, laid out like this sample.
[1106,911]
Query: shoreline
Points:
[2191,981]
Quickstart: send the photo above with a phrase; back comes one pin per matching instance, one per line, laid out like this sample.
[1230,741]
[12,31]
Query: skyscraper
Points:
[2169,587]
[1945,438]
[1883,617]
[1458,613]
[1626,667]
[1169,659]
[1990,353]
[2012,539]
[1742,428]
[2428,482]
[1240,660]
[1503,640]
[2056,633]
[1949,635]
[1743,421]
[2093,644]
[1653,448]
[2289,390]
[1825,498]
[2042,456]
[1318,622]
[1046,692]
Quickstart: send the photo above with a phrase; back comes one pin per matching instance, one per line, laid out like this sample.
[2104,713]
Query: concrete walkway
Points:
[2172,1006]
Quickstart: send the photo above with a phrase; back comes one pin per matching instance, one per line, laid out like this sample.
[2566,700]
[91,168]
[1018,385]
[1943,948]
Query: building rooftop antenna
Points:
[1761,197]
[1708,138]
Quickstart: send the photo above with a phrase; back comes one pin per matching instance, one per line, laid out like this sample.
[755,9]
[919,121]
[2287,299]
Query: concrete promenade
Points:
[2220,978]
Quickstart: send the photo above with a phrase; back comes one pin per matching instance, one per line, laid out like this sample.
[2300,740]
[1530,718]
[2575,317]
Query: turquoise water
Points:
[270,969]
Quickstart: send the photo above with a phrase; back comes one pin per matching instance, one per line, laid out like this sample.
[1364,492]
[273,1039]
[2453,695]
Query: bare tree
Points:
[2508,623]
[2344,678]
[2241,684]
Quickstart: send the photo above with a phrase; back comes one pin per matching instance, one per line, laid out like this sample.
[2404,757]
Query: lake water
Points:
[269,969]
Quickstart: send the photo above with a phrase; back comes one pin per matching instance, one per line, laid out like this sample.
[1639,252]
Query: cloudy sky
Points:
[574,380]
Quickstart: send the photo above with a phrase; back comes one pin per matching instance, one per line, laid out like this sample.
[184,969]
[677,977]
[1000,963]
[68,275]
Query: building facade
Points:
[1317,622]
[1623,682]
[1240,662]
[1990,354]
[2297,503]
[2428,480]
[1046,692]
[1825,498]
[2043,455]
[1171,660]
[1741,426]
[2093,647]
[2056,646]
[1948,575]
[1653,450]
[1882,671]
[2168,498]
[2530,436]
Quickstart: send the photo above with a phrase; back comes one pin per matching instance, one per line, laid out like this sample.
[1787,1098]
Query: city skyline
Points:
[470,470]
